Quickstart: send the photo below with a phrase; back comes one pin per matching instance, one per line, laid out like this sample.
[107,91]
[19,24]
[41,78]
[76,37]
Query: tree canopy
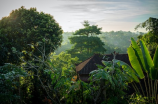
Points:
[150,38]
[150,24]
[117,41]
[84,47]
[88,30]
[151,41]
[64,62]
[24,27]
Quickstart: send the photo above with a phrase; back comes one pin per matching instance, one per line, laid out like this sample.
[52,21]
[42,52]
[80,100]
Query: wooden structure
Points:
[84,68]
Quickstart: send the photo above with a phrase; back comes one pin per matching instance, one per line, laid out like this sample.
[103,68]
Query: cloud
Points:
[107,12]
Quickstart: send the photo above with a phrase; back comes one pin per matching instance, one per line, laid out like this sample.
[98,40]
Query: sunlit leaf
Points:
[134,62]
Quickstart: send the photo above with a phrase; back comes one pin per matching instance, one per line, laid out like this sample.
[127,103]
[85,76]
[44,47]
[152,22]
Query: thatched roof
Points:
[89,65]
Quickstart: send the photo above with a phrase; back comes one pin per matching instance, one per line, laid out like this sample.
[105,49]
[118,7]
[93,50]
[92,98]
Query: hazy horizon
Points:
[111,15]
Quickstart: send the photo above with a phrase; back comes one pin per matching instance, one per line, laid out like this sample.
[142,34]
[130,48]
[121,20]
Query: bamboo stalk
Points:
[142,89]
[136,88]
[156,91]
[152,90]
[146,88]
[149,86]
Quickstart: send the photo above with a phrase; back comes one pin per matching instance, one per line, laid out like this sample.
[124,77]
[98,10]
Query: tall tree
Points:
[150,38]
[150,24]
[33,34]
[85,45]
[24,27]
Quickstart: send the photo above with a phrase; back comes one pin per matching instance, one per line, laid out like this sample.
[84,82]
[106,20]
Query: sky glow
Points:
[109,14]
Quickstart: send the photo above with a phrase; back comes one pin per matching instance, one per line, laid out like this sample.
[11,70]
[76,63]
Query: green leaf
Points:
[107,63]
[128,69]
[147,58]
[13,49]
[134,62]
[138,54]
[154,71]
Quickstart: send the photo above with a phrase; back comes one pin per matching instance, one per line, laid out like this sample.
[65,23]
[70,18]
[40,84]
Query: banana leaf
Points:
[134,62]
[146,56]
[154,70]
[139,54]
[131,73]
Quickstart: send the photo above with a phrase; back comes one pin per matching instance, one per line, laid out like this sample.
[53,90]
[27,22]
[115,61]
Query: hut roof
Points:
[89,65]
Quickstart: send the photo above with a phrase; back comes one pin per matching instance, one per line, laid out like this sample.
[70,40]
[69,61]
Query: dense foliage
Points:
[142,62]
[31,73]
[150,38]
[65,62]
[27,37]
[84,47]
[10,83]
[24,27]
[112,80]
[150,24]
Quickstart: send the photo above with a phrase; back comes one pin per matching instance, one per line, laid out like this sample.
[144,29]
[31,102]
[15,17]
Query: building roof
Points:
[89,65]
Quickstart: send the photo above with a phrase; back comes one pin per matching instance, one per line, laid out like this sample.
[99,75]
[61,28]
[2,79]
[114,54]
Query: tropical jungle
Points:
[38,62]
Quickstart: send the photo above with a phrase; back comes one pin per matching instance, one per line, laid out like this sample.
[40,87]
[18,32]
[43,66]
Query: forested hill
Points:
[114,41]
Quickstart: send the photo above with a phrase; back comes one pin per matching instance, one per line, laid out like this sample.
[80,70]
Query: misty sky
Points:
[109,14]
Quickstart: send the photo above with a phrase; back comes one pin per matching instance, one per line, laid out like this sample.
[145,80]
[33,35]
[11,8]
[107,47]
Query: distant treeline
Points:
[114,41]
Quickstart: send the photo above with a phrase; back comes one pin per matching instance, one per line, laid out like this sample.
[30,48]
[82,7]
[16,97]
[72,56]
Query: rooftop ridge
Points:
[84,63]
